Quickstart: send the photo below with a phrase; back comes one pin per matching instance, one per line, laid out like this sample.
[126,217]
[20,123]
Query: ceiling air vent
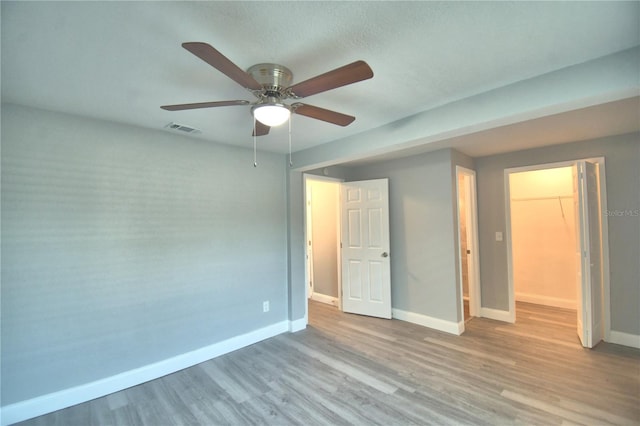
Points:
[182,128]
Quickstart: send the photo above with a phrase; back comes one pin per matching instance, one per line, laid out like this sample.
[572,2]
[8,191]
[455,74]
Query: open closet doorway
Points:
[468,243]
[322,233]
[556,242]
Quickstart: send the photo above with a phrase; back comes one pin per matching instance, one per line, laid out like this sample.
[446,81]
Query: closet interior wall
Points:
[544,237]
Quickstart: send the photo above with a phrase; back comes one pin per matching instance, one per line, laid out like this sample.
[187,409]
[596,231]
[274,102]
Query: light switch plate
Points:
[498,236]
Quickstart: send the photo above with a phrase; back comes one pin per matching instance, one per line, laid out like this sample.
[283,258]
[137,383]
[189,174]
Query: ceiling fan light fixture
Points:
[271,114]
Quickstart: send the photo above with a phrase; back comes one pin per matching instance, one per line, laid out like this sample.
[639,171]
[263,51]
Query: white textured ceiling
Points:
[119,61]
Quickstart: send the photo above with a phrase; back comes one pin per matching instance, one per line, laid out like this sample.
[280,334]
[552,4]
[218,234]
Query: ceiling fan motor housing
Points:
[274,78]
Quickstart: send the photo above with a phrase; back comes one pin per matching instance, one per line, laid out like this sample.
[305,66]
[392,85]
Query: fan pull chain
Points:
[255,154]
[290,159]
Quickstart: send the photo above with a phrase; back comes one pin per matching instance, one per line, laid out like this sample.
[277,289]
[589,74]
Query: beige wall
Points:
[324,205]
[543,234]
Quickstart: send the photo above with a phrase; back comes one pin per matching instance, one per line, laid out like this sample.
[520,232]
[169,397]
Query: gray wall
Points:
[622,157]
[122,247]
[423,258]
[295,248]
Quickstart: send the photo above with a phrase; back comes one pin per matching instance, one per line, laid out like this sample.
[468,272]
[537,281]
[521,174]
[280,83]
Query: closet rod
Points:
[543,198]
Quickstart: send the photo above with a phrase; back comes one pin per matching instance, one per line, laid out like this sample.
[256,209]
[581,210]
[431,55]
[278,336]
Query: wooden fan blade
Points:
[322,114]
[348,74]
[220,62]
[261,129]
[181,107]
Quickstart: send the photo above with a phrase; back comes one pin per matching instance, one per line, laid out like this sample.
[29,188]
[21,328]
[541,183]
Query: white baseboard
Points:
[427,321]
[546,300]
[297,325]
[496,314]
[625,339]
[323,298]
[44,404]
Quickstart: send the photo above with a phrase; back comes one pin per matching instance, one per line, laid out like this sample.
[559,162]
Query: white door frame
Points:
[605,235]
[472,231]
[307,227]
[308,243]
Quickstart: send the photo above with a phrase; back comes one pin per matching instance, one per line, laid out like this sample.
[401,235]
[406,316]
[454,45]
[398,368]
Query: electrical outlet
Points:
[265,306]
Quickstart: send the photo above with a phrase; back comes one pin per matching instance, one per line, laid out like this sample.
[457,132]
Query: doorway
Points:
[322,214]
[468,244]
[551,259]
[543,237]
[347,244]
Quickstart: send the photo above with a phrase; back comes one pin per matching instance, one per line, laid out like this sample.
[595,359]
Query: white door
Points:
[589,253]
[366,265]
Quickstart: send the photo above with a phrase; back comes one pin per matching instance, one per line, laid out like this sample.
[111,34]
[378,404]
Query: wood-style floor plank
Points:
[354,370]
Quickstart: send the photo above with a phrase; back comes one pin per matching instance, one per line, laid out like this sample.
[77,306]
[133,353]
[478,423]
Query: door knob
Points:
[385,254]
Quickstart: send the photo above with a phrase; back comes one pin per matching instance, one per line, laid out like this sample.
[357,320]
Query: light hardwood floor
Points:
[349,369]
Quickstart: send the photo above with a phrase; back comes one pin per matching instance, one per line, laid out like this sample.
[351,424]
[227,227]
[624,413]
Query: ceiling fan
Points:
[270,83]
